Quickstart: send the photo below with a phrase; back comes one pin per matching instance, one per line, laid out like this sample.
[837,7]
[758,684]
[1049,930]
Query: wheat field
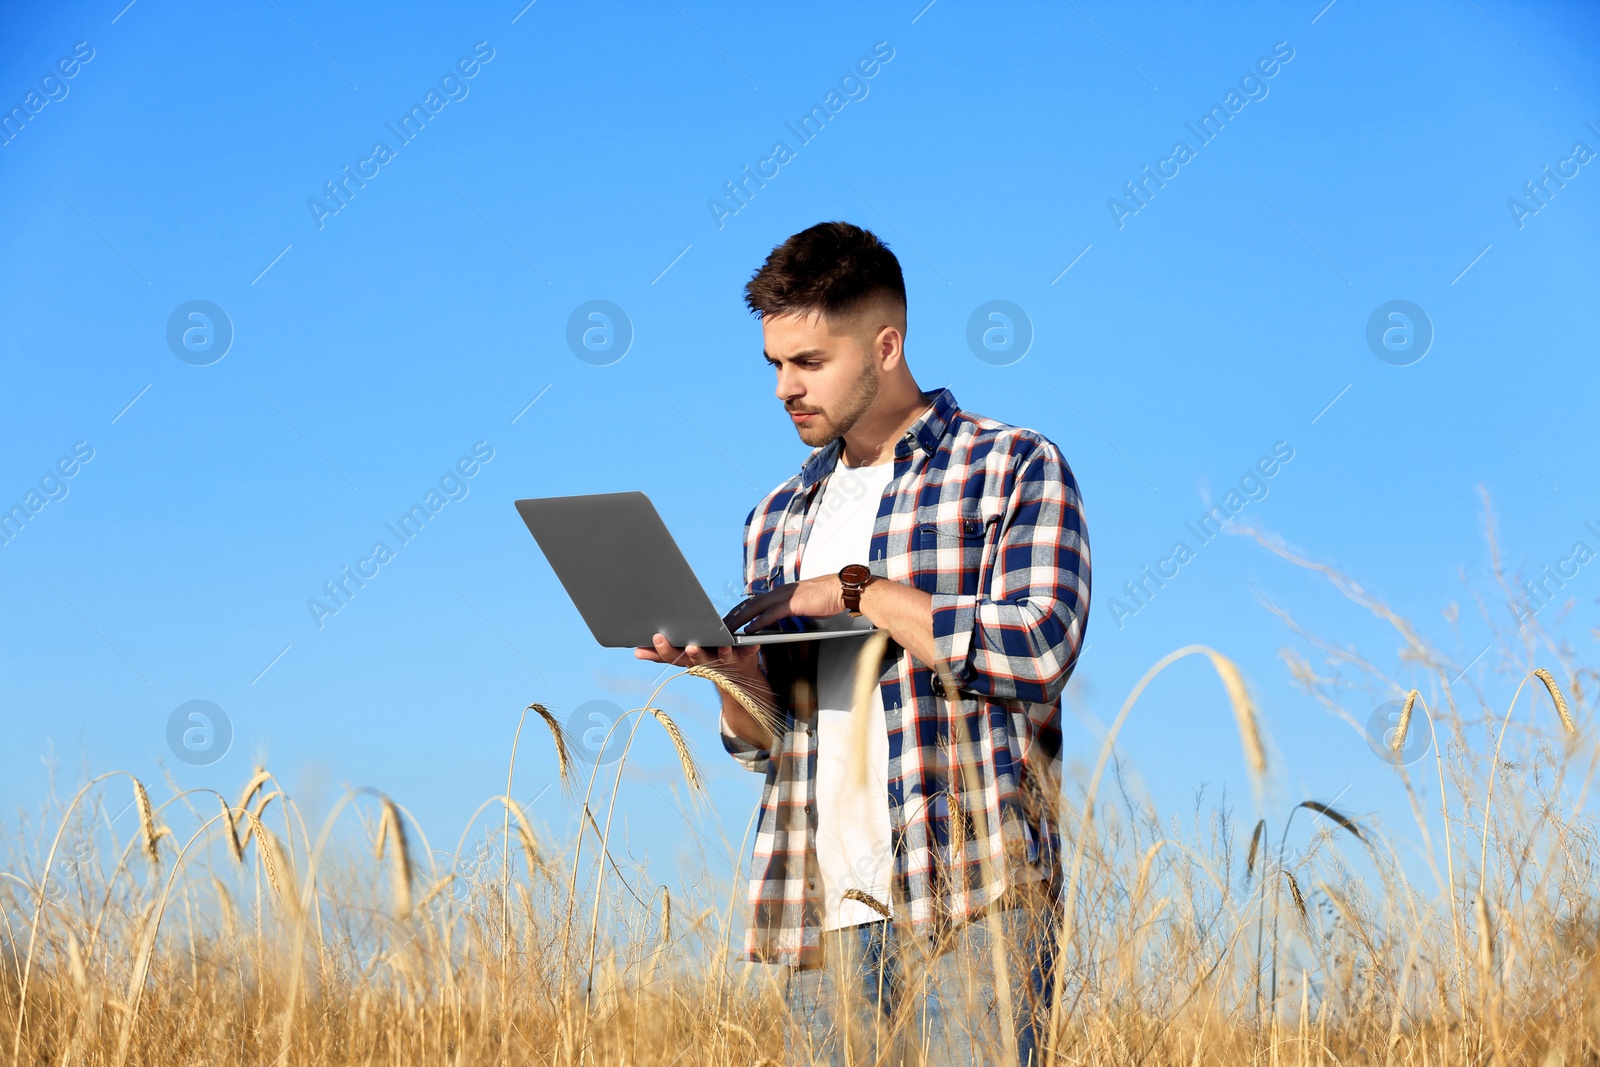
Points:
[226,930]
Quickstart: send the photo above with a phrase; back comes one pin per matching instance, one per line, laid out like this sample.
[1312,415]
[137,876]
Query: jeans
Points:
[882,997]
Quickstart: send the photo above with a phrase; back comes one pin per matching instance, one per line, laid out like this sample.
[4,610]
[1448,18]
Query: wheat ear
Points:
[869,900]
[763,714]
[1400,732]
[1556,698]
[392,827]
[233,831]
[273,859]
[1485,935]
[1244,711]
[147,822]
[1299,898]
[80,974]
[691,772]
[559,735]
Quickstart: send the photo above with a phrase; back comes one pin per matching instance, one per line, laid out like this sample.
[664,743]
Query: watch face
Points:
[855,574]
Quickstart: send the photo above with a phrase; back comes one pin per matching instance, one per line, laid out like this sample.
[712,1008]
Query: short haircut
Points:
[831,268]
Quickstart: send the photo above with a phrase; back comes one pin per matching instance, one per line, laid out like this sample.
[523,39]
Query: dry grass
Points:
[1471,938]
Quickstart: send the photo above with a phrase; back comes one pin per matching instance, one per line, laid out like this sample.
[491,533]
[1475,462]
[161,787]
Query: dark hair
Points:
[831,267]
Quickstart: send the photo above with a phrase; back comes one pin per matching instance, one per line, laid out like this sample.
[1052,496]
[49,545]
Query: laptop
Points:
[629,580]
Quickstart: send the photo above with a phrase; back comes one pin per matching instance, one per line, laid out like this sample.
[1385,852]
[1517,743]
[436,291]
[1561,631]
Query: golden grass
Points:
[244,943]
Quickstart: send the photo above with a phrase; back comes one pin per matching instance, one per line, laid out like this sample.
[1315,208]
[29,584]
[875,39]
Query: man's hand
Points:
[813,598]
[735,660]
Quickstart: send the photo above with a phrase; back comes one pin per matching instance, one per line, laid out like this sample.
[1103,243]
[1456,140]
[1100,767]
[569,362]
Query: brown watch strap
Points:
[853,579]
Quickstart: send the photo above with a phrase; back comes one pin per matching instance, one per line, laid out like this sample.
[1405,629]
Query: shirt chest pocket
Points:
[953,549]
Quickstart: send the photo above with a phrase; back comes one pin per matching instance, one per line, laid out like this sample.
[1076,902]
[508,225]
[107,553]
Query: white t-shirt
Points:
[853,839]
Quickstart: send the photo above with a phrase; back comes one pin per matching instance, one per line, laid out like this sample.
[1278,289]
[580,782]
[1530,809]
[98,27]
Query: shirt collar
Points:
[926,433]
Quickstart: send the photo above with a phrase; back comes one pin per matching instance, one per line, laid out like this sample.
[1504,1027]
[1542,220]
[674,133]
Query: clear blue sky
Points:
[375,346]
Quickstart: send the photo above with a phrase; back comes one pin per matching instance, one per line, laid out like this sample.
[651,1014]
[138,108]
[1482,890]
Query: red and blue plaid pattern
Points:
[987,519]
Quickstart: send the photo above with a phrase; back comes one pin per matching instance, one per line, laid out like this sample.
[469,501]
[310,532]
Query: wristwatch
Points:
[854,578]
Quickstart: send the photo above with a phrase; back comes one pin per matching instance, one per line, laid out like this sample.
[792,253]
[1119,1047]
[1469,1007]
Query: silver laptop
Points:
[628,578]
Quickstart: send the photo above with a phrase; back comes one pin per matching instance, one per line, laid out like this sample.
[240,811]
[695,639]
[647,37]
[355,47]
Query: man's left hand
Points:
[813,598]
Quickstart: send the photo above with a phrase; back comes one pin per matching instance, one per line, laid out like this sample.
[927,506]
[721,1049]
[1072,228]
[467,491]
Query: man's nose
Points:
[788,385]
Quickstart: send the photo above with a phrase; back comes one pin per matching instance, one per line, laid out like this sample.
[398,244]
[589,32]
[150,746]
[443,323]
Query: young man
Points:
[924,820]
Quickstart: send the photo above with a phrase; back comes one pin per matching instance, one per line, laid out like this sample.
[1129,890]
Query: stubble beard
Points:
[826,426]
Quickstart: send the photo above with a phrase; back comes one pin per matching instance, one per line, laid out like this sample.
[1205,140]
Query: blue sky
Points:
[375,347]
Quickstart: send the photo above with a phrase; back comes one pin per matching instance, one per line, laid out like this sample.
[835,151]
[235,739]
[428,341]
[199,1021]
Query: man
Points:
[904,841]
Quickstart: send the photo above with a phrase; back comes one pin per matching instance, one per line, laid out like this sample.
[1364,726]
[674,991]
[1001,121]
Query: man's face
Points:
[827,370]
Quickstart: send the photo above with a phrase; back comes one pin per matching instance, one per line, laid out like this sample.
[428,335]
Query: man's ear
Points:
[888,346]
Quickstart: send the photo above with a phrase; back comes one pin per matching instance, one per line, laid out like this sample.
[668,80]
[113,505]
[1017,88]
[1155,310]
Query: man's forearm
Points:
[743,725]
[907,613]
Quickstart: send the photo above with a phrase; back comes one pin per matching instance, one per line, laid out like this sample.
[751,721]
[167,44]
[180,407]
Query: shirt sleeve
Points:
[750,757]
[1020,638]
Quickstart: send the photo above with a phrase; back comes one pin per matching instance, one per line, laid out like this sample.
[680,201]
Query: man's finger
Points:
[770,616]
[668,652]
[754,606]
[744,611]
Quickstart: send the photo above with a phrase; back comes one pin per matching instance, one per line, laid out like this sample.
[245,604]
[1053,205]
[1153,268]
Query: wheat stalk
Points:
[526,838]
[1400,732]
[1486,965]
[1344,821]
[257,780]
[869,665]
[1255,843]
[1556,698]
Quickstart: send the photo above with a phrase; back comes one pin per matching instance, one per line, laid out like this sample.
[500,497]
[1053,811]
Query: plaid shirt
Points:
[985,517]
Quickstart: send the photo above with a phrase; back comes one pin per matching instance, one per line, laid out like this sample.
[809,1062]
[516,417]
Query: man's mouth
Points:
[802,416]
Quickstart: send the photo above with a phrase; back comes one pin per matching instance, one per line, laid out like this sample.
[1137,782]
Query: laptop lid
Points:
[630,581]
